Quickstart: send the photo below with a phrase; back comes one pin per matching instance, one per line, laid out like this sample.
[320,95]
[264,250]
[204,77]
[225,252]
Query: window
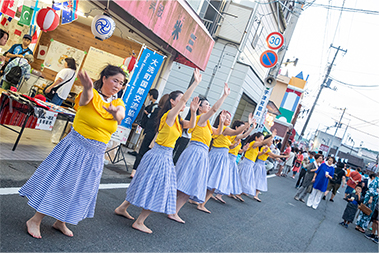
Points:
[258,33]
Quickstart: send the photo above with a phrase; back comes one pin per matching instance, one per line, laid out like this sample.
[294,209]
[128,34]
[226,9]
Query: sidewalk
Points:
[34,146]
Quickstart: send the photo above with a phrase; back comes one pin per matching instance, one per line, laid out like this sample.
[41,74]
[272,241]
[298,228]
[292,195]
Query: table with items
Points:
[20,110]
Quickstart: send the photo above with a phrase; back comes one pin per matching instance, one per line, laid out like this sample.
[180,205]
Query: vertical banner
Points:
[260,111]
[145,72]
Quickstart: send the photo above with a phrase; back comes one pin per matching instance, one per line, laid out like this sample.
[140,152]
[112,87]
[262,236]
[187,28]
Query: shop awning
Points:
[176,24]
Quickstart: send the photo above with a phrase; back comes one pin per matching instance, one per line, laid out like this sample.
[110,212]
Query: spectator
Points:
[64,81]
[374,219]
[10,79]
[286,152]
[4,36]
[353,200]
[335,183]
[279,143]
[20,50]
[355,178]
[288,163]
[307,160]
[370,201]
[298,162]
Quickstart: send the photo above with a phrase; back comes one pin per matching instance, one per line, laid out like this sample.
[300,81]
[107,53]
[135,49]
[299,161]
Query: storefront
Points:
[139,24]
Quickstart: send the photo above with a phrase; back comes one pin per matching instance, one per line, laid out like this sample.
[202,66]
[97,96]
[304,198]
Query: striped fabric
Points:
[192,171]
[260,175]
[219,173]
[154,184]
[235,180]
[66,183]
[246,171]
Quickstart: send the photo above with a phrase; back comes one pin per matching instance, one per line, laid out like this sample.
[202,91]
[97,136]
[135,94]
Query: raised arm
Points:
[265,142]
[193,107]
[252,124]
[235,144]
[215,107]
[233,132]
[174,112]
[87,93]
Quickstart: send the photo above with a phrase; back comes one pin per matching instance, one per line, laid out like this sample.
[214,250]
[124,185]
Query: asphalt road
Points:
[277,224]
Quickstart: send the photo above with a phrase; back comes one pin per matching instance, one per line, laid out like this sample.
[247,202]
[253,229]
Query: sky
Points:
[355,32]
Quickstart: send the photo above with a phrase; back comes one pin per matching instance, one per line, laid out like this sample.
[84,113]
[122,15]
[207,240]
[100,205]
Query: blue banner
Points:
[145,72]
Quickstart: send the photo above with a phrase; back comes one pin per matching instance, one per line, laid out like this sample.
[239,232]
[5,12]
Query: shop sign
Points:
[177,24]
[46,120]
[143,77]
[323,148]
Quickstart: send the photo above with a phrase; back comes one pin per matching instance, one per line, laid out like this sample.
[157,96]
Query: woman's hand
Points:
[252,120]
[370,200]
[197,75]
[48,90]
[194,104]
[111,109]
[85,80]
[226,90]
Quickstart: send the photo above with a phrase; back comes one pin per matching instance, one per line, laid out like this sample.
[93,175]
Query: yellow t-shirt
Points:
[235,150]
[252,153]
[264,156]
[93,121]
[221,141]
[201,134]
[167,135]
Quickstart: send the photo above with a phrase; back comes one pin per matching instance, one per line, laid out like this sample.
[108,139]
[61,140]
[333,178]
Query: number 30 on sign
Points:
[275,40]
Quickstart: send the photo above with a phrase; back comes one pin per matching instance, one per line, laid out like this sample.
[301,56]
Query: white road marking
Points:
[14,190]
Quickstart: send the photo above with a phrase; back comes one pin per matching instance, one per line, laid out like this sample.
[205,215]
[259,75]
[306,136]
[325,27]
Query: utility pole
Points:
[322,86]
[338,149]
[331,145]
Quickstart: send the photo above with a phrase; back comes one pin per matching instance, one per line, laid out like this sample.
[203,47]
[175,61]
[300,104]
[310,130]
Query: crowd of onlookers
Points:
[319,175]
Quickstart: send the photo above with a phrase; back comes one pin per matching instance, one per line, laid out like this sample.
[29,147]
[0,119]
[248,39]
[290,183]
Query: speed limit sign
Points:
[275,40]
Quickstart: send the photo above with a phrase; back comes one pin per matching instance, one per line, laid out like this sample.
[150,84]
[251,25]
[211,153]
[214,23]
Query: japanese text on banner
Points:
[140,83]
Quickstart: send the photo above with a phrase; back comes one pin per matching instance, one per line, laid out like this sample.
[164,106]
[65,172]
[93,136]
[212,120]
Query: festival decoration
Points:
[47,19]
[102,26]
[129,62]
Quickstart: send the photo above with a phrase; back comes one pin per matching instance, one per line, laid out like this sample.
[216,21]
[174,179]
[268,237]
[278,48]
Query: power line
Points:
[354,85]
[363,120]
[364,132]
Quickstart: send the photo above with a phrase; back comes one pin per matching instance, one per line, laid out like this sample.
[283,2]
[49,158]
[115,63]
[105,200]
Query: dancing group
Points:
[66,184]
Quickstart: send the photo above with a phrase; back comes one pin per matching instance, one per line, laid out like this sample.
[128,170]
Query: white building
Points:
[245,70]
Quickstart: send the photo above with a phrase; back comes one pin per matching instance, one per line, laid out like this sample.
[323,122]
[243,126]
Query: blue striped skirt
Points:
[234,175]
[246,172]
[192,171]
[154,184]
[66,183]
[260,175]
[219,173]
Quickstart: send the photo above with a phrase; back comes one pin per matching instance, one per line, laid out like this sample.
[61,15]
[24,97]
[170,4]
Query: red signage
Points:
[323,148]
[177,24]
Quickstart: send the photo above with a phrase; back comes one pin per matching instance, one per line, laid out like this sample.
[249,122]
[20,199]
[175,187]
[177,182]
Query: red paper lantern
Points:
[47,19]
[129,62]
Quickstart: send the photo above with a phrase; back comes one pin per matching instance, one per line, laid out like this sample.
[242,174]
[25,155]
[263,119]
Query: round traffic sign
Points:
[275,40]
[269,58]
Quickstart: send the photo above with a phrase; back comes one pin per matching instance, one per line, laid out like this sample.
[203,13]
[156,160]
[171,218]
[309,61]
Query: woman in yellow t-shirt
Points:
[235,180]
[72,171]
[193,166]
[260,173]
[154,185]
[245,167]
[219,173]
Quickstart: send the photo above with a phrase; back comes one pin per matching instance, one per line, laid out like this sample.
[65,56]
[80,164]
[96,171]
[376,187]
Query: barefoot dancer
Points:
[193,166]
[260,174]
[234,179]
[66,183]
[154,185]
[219,173]
[246,167]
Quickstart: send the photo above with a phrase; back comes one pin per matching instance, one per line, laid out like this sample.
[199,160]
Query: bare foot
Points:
[123,212]
[202,208]
[239,198]
[33,229]
[217,198]
[61,226]
[193,202]
[257,199]
[142,228]
[245,194]
[176,218]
